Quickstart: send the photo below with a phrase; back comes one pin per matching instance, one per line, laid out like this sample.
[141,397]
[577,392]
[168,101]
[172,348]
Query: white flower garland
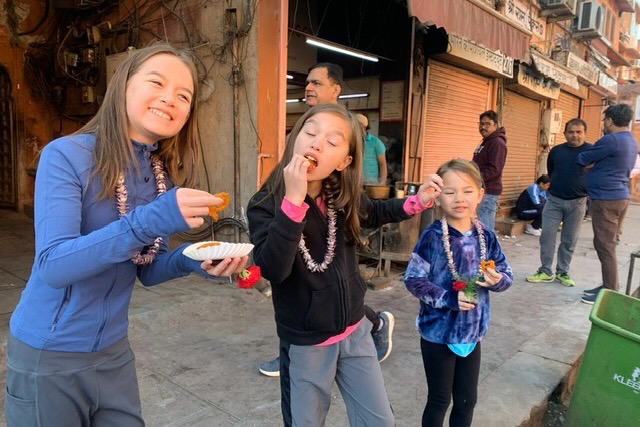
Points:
[447,247]
[121,205]
[313,266]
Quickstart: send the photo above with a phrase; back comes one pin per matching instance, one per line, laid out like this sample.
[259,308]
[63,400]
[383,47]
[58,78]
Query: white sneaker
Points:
[532,231]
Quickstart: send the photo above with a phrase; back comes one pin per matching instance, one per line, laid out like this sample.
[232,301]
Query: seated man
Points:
[531,202]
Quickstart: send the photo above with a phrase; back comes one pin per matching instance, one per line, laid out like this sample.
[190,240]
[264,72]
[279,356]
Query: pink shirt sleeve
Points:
[413,205]
[294,212]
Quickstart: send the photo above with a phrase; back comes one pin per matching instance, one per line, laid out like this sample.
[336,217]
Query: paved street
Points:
[198,343]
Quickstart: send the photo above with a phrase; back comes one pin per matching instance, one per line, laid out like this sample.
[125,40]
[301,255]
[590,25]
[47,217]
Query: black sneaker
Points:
[270,368]
[593,291]
[589,299]
[382,338]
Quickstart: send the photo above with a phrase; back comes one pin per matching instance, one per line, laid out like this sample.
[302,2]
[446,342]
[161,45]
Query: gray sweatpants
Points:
[307,374]
[570,213]
[62,389]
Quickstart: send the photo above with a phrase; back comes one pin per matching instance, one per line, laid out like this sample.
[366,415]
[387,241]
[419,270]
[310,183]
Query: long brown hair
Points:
[345,187]
[114,153]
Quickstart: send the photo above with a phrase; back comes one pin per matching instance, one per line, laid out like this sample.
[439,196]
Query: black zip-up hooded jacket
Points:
[312,307]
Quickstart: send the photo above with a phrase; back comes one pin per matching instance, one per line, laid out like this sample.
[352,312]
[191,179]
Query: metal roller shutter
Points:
[592,114]
[521,119]
[455,99]
[570,106]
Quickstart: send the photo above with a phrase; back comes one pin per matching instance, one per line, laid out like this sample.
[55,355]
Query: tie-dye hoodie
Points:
[428,278]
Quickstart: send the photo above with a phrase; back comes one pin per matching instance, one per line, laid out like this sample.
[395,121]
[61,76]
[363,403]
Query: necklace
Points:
[121,205]
[313,266]
[447,248]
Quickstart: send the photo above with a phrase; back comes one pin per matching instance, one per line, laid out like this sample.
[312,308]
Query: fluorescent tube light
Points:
[339,49]
[353,95]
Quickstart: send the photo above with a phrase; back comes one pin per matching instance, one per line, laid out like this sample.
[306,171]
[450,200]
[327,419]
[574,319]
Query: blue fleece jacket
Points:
[613,157]
[82,277]
[428,278]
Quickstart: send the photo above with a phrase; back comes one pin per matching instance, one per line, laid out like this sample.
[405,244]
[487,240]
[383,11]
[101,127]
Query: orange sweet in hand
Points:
[213,210]
[487,264]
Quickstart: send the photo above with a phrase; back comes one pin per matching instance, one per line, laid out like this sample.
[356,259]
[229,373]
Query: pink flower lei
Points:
[121,205]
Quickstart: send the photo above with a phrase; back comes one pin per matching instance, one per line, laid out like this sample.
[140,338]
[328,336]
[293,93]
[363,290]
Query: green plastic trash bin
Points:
[607,390]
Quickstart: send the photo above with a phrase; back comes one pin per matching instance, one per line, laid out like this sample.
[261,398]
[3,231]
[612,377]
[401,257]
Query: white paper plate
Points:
[221,251]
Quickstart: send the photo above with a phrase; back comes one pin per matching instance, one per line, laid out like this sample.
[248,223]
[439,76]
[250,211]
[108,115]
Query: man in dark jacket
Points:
[490,157]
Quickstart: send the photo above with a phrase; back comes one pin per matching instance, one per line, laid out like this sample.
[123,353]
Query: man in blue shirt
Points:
[374,162]
[566,204]
[610,161]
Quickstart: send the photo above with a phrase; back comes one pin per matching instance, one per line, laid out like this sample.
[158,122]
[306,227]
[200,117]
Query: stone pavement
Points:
[198,343]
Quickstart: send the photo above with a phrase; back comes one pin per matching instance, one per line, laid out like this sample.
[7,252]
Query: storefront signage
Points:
[537,84]
[392,101]
[555,71]
[582,68]
[525,15]
[608,84]
[478,54]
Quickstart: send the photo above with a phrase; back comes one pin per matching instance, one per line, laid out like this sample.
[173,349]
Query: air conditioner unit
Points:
[635,63]
[589,23]
[558,10]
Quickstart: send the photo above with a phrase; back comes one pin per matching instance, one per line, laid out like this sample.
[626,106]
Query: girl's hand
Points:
[295,179]
[194,204]
[225,267]
[431,189]
[491,277]
[465,303]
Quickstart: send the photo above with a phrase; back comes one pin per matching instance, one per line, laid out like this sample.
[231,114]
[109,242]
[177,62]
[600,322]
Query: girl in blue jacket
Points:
[446,273]
[105,204]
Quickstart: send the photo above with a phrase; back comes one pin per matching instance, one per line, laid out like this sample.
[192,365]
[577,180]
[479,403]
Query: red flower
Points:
[459,285]
[249,277]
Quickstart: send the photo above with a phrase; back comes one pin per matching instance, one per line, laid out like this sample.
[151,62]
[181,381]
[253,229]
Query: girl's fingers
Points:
[192,197]
[437,179]
[233,266]
[218,269]
[465,306]
[193,212]
[225,267]
[194,222]
[199,201]
[242,264]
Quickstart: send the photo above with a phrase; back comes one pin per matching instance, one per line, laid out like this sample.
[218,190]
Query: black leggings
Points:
[449,374]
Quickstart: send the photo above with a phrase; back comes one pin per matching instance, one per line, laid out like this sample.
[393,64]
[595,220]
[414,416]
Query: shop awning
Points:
[475,21]
[555,71]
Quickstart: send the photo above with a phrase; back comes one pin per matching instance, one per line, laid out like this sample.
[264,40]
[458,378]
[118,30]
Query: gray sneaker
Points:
[270,368]
[382,338]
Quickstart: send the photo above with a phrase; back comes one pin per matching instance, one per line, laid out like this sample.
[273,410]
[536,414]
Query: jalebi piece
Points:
[487,264]
[213,210]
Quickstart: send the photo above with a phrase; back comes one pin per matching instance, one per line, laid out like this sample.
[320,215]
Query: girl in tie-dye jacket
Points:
[451,324]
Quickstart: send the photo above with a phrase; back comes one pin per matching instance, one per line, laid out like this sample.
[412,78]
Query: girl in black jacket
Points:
[304,223]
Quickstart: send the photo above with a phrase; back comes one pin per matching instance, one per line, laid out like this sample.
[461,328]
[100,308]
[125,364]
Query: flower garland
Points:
[460,284]
[313,266]
[121,205]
